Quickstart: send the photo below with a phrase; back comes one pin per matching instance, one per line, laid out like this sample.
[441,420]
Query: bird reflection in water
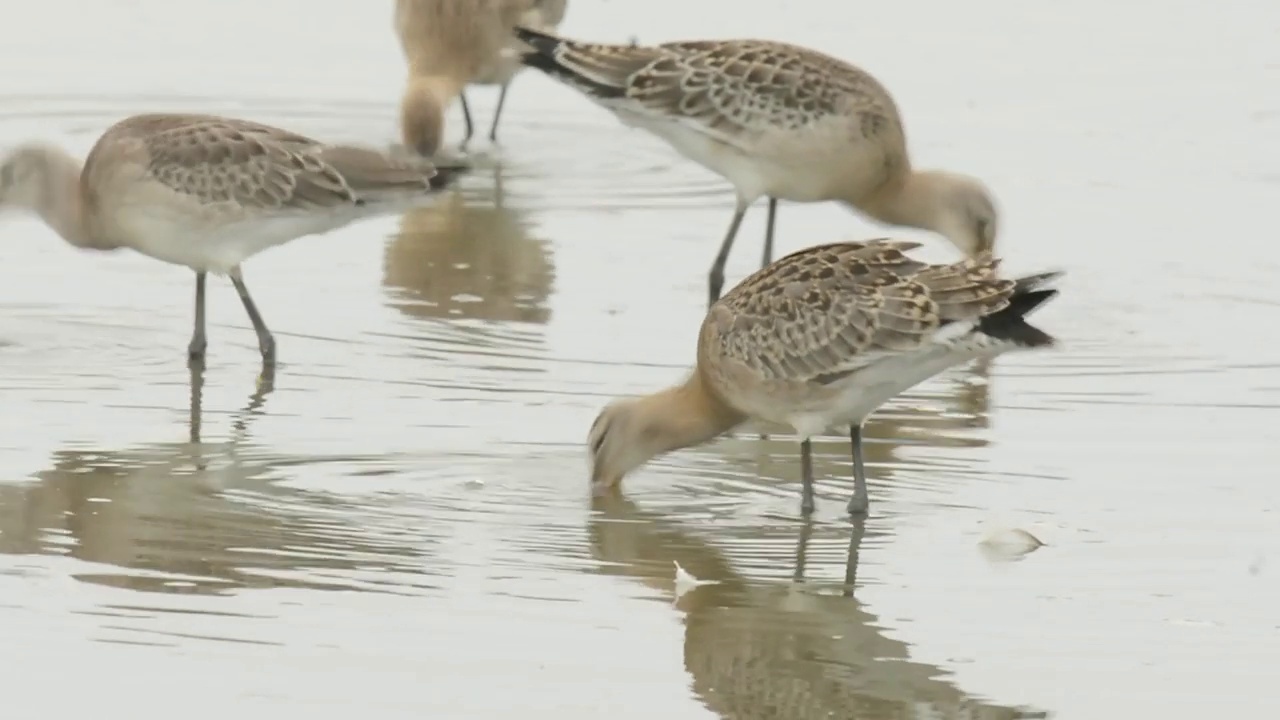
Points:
[201,517]
[947,412]
[266,383]
[758,649]
[469,258]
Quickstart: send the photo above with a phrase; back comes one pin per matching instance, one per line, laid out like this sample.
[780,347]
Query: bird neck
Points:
[688,414]
[422,110]
[911,201]
[58,197]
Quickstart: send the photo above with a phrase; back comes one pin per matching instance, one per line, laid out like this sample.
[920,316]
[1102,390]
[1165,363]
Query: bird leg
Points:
[466,119]
[768,233]
[197,397]
[716,279]
[266,343]
[802,552]
[806,478]
[497,114]
[856,534]
[195,350]
[860,502]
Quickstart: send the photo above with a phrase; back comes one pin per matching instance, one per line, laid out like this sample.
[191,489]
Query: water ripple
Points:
[615,169]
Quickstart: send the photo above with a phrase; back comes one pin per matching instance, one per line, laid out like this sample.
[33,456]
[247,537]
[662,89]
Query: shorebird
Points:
[208,192]
[821,338]
[776,121]
[449,44]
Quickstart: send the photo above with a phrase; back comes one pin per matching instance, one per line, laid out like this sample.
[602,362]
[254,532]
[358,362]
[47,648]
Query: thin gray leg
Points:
[768,233]
[860,502]
[716,279]
[802,551]
[851,563]
[197,395]
[806,478]
[497,114]
[266,343]
[195,350]
[466,119]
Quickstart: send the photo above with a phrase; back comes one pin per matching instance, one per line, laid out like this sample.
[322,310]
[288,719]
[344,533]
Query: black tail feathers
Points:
[542,57]
[541,42]
[1011,324]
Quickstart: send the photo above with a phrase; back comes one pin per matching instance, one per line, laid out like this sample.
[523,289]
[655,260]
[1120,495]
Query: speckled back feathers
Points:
[731,86]
[828,311]
[219,160]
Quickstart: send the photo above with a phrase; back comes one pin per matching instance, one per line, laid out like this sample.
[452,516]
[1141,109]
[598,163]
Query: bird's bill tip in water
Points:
[446,175]
[603,484]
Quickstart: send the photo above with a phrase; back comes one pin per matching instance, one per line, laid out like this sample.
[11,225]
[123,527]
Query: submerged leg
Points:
[466,120]
[195,350]
[197,400]
[768,233]
[806,478]
[716,280]
[802,552]
[856,533]
[497,114]
[266,343]
[860,502]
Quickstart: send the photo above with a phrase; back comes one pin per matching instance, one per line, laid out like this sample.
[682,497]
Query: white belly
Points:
[859,395]
[208,244]
[799,168]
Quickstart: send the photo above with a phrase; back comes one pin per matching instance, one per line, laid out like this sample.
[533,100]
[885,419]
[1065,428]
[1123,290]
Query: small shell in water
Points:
[1008,544]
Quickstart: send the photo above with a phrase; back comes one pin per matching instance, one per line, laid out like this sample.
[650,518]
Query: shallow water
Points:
[404,508]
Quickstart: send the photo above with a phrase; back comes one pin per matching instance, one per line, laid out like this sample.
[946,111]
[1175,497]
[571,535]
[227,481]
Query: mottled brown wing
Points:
[967,290]
[256,166]
[828,311]
[737,87]
[729,90]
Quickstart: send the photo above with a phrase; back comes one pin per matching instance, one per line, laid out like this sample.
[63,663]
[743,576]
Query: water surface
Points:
[398,524]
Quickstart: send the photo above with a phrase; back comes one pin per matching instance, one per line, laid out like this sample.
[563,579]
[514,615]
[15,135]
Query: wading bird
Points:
[821,338]
[776,121]
[449,44]
[208,192]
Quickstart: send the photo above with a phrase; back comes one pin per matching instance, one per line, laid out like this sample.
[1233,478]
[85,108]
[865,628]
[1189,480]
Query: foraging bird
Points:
[820,338]
[776,121]
[449,44]
[208,192]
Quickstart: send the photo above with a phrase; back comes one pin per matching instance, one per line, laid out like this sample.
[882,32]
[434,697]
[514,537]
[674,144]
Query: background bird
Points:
[208,192]
[449,44]
[777,121]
